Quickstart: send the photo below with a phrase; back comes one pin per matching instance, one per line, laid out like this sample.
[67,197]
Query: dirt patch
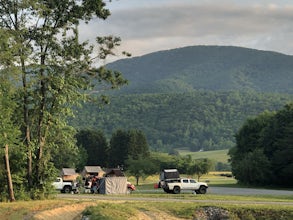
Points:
[154,215]
[68,212]
[73,212]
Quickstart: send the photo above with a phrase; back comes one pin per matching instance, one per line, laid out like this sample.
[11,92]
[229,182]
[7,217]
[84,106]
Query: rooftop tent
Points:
[92,171]
[113,185]
[169,174]
[114,172]
[69,174]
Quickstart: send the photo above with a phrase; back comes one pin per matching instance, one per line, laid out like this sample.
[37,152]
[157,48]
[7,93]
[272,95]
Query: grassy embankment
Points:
[186,206]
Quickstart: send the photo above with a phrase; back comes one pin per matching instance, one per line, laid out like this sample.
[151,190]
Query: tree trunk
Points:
[137,179]
[9,179]
[40,163]
[40,128]
[27,127]
[29,158]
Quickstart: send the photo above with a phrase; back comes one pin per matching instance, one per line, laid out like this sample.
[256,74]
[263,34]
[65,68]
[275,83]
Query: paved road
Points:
[247,191]
[235,191]
[212,190]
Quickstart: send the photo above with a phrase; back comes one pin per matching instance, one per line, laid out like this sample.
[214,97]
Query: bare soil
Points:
[74,212]
[68,212]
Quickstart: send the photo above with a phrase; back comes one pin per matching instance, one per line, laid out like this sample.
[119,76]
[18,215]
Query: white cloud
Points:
[266,26]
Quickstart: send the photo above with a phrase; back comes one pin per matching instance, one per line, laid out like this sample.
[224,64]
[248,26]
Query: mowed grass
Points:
[216,155]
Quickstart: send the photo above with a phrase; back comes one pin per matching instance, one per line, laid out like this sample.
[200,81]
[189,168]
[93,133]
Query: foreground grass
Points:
[17,210]
[182,206]
[127,210]
[185,205]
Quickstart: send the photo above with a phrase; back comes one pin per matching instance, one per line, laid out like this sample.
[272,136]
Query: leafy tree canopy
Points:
[42,55]
[263,151]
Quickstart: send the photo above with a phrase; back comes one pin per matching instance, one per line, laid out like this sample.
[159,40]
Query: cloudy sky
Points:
[147,26]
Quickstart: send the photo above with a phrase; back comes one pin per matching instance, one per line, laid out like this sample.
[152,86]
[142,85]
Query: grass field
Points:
[217,155]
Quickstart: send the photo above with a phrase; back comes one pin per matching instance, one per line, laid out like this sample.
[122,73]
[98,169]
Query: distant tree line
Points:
[197,120]
[129,150]
[264,149]
[123,145]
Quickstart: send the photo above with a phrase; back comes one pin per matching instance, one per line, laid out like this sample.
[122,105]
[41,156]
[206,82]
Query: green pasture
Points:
[216,155]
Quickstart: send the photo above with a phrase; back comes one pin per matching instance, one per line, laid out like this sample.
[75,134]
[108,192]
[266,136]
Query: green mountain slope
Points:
[223,68]
[196,120]
[193,97]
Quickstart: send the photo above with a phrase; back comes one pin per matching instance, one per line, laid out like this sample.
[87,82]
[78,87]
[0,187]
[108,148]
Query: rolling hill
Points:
[216,68]
[193,97]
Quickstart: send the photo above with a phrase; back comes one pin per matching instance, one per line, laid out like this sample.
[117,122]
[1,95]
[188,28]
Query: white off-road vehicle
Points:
[178,185]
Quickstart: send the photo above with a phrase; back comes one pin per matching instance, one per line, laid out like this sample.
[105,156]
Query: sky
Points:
[147,26]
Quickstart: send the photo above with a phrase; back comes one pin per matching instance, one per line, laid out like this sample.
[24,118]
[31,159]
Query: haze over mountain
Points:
[216,68]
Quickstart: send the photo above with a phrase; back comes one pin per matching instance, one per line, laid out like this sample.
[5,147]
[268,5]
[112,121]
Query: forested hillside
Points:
[217,68]
[195,120]
[193,97]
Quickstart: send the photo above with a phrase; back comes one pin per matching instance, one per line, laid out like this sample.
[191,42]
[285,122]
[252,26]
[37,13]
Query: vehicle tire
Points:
[202,190]
[67,189]
[167,190]
[176,190]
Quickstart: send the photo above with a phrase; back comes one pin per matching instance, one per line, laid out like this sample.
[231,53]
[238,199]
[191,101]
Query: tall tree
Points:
[96,145]
[138,145]
[118,151]
[127,144]
[8,131]
[278,142]
[263,154]
[54,68]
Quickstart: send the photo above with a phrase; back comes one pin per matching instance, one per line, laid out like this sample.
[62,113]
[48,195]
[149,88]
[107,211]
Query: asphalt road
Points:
[235,191]
[211,190]
[247,191]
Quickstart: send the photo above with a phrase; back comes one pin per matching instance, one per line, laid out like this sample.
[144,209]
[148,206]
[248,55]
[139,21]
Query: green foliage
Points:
[263,154]
[197,120]
[52,71]
[9,137]
[95,145]
[200,167]
[193,97]
[254,168]
[118,152]
[216,68]
[141,167]
[278,142]
[127,144]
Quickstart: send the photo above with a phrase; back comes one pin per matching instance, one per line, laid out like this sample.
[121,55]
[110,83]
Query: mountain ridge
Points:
[194,97]
[216,68]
